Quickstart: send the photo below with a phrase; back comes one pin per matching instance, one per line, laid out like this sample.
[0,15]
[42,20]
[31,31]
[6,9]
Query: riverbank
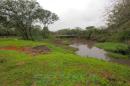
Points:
[115,50]
[93,49]
[57,67]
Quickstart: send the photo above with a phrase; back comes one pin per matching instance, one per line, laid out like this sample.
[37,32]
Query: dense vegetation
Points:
[119,19]
[22,15]
[89,33]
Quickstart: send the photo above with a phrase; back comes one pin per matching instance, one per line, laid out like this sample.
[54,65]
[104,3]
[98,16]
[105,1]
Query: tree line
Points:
[89,33]
[22,15]
[117,26]
[19,17]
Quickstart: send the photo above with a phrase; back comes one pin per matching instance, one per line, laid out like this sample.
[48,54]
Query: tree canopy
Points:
[119,20]
[120,14]
[23,14]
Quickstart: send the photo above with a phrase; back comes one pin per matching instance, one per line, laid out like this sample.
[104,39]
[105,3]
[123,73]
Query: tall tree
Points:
[119,19]
[119,15]
[46,18]
[21,14]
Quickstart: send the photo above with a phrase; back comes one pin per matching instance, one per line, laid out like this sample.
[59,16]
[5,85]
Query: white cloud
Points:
[75,13]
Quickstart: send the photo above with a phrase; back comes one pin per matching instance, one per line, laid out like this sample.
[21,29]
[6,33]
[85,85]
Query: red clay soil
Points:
[29,50]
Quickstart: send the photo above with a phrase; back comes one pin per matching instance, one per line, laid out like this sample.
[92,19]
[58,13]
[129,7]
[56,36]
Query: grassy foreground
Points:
[60,67]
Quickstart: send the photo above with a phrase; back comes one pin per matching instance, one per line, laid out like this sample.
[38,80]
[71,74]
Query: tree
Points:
[119,18]
[4,31]
[36,32]
[19,14]
[22,14]
[89,31]
[120,14]
[64,31]
[45,32]
[76,32]
[46,18]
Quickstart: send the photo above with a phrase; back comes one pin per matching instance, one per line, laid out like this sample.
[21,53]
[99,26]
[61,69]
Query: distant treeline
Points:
[117,28]
[90,33]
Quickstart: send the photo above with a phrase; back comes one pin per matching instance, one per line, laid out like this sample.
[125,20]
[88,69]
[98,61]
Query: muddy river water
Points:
[87,48]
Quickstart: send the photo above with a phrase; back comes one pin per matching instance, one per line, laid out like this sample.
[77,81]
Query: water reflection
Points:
[88,49]
[85,50]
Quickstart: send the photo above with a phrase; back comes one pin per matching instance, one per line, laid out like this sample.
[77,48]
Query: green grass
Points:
[112,46]
[58,68]
[16,42]
[117,55]
[115,49]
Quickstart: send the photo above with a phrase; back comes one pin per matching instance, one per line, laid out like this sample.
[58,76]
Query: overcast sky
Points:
[76,13]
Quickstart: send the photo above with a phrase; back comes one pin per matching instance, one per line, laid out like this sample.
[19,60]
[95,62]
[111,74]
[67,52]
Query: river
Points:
[87,49]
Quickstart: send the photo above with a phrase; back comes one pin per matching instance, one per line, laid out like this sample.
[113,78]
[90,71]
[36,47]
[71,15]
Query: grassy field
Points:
[60,67]
[115,50]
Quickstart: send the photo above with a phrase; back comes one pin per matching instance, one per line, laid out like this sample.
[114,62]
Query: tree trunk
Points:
[30,33]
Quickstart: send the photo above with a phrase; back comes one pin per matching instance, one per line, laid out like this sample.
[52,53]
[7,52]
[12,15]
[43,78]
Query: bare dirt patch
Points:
[42,49]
